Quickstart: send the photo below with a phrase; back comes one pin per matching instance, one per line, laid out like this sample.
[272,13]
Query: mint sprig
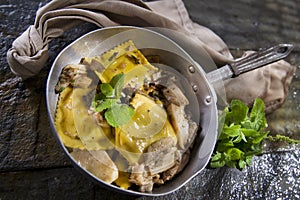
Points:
[242,135]
[108,102]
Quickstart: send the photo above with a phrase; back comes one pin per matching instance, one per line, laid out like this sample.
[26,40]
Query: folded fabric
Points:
[270,83]
[29,52]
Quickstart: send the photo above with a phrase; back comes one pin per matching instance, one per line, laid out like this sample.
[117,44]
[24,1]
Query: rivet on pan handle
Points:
[251,62]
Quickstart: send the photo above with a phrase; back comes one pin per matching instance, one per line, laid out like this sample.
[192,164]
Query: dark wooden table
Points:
[32,166]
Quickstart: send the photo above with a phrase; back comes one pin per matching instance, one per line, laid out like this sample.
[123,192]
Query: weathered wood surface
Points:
[32,166]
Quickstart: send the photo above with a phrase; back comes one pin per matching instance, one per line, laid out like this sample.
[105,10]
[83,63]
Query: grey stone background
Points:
[32,166]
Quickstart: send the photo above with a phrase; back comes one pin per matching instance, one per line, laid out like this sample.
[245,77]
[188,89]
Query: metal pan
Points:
[198,85]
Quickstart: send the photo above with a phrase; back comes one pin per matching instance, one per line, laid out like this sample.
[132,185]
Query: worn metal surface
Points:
[32,166]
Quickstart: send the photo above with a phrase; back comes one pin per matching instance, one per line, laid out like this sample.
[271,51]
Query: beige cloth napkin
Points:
[29,52]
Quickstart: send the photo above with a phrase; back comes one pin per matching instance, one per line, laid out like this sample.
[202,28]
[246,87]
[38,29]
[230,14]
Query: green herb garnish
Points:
[108,102]
[118,114]
[242,135]
[283,138]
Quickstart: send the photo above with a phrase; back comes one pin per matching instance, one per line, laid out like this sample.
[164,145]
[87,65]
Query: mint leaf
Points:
[242,164]
[217,160]
[260,138]
[107,90]
[234,153]
[237,113]
[230,131]
[99,96]
[250,132]
[217,164]
[119,114]
[239,138]
[117,78]
[257,115]
[223,145]
[103,104]
[118,82]
[216,157]
[248,160]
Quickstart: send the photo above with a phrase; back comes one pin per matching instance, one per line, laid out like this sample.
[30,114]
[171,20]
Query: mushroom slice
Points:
[174,95]
[180,123]
[98,163]
[66,78]
[178,167]
[141,177]
[161,155]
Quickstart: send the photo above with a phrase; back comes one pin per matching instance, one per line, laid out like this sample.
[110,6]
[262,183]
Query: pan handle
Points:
[251,62]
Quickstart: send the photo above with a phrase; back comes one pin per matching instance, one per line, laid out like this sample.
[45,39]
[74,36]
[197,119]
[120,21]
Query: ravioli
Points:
[148,125]
[126,59]
[64,120]
[93,136]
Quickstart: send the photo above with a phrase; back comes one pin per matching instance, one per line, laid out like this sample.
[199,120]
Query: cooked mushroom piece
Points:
[97,163]
[159,157]
[141,177]
[174,95]
[178,167]
[180,123]
[67,77]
